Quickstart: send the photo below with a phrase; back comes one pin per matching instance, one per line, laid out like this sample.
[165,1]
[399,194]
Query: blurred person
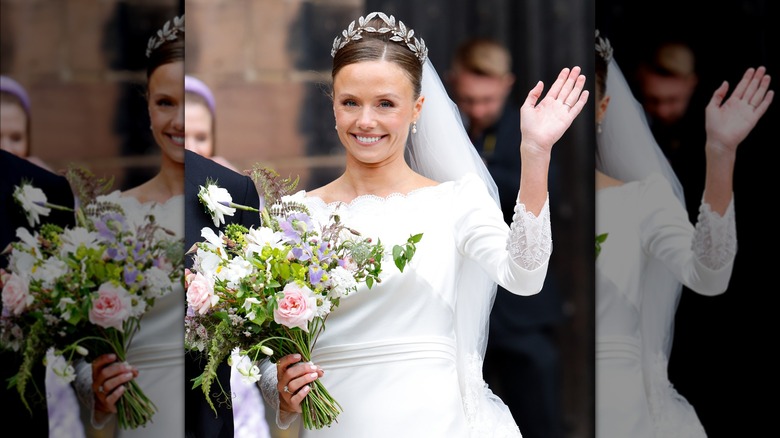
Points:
[15,121]
[13,171]
[155,356]
[522,362]
[200,120]
[652,249]
[667,82]
[416,370]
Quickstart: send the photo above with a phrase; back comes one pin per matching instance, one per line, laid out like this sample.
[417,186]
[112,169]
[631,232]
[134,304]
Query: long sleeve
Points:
[702,258]
[83,385]
[271,394]
[515,257]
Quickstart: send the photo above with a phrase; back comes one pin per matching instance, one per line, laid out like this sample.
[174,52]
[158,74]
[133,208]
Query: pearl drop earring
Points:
[414,127]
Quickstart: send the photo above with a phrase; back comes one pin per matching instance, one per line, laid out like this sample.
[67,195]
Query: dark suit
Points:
[13,170]
[522,362]
[200,420]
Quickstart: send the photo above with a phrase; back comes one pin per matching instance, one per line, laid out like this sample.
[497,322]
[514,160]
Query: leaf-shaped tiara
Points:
[603,47]
[169,32]
[401,34]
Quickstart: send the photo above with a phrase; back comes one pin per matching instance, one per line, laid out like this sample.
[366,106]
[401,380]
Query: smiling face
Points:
[374,105]
[166,109]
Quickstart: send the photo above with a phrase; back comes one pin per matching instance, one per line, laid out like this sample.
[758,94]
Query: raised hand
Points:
[542,123]
[728,123]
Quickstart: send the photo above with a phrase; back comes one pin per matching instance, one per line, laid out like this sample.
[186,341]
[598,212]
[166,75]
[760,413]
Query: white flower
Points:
[215,242]
[267,351]
[250,373]
[73,238]
[60,366]
[48,272]
[342,282]
[21,263]
[235,270]
[30,241]
[257,238]
[32,200]
[81,350]
[157,283]
[323,309]
[217,201]
[207,263]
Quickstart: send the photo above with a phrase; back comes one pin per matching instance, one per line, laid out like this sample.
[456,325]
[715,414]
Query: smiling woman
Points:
[411,168]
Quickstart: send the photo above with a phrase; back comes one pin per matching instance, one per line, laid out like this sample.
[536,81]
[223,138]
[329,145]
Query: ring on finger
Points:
[100,389]
[287,390]
[567,105]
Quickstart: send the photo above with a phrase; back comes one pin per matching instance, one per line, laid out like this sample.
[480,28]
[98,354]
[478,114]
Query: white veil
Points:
[627,150]
[441,150]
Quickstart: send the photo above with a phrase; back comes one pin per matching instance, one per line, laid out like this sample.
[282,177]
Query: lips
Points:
[177,139]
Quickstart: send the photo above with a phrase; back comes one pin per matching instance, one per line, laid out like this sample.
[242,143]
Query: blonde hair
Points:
[483,56]
[673,59]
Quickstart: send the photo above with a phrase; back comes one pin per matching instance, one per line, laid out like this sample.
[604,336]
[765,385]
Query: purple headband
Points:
[10,86]
[193,85]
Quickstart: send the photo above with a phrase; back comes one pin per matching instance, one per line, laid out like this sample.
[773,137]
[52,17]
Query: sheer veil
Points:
[626,150]
[441,150]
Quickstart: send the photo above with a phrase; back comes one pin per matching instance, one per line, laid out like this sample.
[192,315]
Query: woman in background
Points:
[200,120]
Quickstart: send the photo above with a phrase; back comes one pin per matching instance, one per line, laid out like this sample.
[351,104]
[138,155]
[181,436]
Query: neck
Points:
[168,182]
[381,179]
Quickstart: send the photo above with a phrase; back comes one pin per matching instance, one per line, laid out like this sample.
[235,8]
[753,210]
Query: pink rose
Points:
[200,293]
[297,307]
[112,307]
[16,294]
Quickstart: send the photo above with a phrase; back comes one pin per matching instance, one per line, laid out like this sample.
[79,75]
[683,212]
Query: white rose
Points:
[217,201]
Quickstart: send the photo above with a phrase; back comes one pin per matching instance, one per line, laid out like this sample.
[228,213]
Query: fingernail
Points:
[305,389]
[314,375]
[297,356]
[128,375]
[312,366]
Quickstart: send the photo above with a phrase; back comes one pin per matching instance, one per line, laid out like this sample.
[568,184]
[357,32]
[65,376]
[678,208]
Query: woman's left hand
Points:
[542,123]
[728,123]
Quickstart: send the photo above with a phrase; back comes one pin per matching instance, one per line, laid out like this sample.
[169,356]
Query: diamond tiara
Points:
[401,34]
[603,47]
[169,32]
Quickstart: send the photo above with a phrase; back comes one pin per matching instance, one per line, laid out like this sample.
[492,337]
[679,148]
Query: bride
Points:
[405,358]
[651,248]
[154,358]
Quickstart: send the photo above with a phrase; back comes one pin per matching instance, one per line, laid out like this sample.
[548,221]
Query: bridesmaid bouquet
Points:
[83,290]
[268,291]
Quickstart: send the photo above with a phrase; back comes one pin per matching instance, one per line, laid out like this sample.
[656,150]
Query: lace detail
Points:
[715,240]
[267,384]
[483,419]
[530,237]
[671,413]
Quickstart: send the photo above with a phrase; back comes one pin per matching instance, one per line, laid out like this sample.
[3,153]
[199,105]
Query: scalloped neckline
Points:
[376,198]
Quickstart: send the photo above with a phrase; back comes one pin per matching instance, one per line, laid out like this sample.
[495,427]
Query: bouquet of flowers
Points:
[84,289]
[268,291]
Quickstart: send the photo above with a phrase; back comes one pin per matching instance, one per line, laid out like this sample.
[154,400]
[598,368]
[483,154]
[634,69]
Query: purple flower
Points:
[130,275]
[294,226]
[315,274]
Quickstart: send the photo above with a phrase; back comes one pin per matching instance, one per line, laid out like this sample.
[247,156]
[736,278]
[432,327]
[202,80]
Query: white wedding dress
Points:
[157,349]
[390,353]
[646,223]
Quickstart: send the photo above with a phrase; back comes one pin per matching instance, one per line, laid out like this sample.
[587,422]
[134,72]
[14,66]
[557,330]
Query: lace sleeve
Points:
[715,239]
[530,236]
[83,386]
[271,394]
